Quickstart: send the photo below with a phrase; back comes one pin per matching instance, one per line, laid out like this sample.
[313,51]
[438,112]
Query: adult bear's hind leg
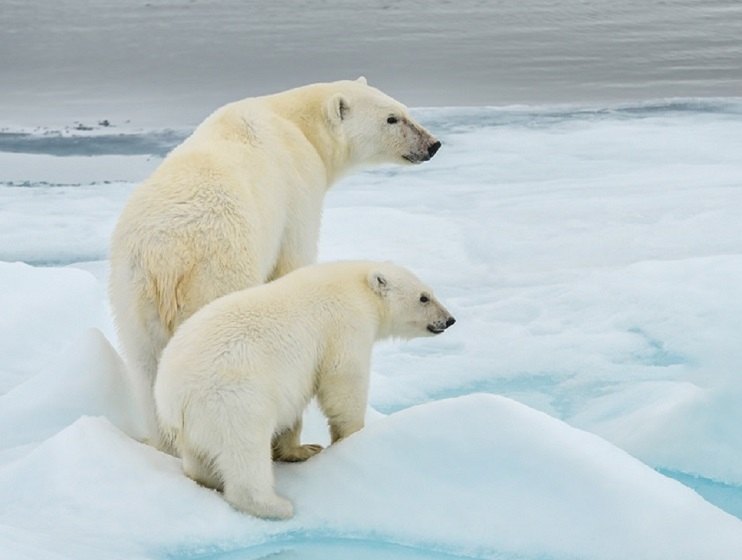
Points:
[287,446]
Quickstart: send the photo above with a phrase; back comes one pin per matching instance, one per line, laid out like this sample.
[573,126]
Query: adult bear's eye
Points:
[392,120]
[424,299]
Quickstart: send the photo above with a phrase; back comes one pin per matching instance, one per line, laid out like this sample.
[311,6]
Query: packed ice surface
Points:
[592,258]
[479,475]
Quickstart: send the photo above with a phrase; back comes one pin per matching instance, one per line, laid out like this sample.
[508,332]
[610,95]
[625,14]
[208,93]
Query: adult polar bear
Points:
[239,202]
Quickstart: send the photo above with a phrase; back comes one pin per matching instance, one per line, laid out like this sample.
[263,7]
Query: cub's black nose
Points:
[450,321]
[433,148]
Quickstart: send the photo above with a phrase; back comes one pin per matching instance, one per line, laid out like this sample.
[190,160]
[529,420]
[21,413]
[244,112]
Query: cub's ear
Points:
[362,79]
[378,283]
[337,107]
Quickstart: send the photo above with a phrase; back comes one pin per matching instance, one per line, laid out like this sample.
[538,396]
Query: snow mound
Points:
[88,379]
[43,310]
[479,475]
[488,475]
[659,422]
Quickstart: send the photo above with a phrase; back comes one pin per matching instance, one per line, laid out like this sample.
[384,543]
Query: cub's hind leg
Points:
[246,467]
[196,466]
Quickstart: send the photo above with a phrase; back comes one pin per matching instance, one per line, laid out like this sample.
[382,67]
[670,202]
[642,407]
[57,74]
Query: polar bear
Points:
[238,203]
[235,378]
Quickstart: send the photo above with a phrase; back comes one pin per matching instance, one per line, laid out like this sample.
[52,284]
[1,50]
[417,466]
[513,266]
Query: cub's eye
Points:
[392,120]
[424,299]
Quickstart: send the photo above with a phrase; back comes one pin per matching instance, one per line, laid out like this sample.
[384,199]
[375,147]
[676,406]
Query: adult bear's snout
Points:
[433,148]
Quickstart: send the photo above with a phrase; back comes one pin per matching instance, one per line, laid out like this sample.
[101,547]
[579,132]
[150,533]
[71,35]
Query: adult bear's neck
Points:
[305,107]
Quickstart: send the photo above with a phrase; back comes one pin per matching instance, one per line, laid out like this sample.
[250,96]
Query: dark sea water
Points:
[172,61]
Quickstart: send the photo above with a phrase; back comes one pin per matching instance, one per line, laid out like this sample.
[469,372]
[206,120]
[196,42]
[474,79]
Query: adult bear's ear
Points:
[363,80]
[337,108]
[378,283]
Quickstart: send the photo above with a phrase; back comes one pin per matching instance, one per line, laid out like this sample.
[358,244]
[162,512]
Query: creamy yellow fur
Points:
[239,203]
[236,377]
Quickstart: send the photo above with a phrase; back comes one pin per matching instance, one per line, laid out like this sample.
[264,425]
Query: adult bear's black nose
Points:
[450,321]
[433,148]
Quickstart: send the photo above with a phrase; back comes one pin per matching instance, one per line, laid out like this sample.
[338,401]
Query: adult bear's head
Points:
[377,128]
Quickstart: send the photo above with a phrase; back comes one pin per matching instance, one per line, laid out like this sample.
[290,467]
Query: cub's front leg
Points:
[343,394]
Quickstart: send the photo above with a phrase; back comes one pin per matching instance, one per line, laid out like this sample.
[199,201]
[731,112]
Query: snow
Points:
[43,310]
[585,405]
[519,483]
[506,479]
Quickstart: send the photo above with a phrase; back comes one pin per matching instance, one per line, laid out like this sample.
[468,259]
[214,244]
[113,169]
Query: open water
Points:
[172,61]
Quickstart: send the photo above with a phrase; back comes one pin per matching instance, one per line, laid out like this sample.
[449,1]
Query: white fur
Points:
[235,378]
[238,203]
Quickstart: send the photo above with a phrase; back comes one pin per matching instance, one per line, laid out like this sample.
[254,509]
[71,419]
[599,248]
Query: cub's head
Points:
[410,308]
[377,128]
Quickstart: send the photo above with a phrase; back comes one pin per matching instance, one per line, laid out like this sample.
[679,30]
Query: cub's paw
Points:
[274,507]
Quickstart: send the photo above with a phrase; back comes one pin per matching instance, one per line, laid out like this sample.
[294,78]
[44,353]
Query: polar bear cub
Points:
[235,378]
